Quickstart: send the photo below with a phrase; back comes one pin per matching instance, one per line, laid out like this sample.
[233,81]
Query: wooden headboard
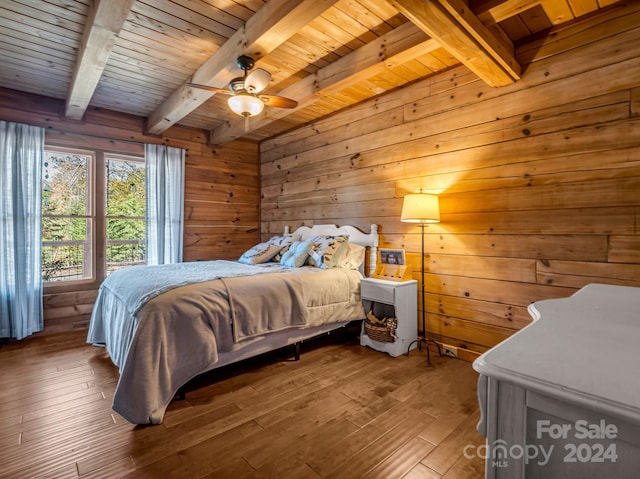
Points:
[370,240]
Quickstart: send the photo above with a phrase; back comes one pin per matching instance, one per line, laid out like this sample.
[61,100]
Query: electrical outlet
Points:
[450,351]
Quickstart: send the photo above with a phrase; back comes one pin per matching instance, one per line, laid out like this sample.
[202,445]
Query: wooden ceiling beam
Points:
[270,27]
[104,22]
[396,47]
[491,13]
[462,34]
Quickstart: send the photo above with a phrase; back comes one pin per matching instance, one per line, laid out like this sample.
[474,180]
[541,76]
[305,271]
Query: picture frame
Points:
[392,256]
[392,265]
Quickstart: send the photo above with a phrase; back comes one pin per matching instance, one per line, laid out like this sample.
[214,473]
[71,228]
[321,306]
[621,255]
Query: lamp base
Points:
[426,341]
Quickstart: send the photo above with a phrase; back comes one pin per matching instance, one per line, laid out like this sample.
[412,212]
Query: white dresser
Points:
[561,398]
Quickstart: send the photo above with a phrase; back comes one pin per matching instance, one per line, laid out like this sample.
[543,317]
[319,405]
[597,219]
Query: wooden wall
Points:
[221,184]
[539,182]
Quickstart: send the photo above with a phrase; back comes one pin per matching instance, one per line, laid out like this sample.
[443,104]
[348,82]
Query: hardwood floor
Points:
[342,411]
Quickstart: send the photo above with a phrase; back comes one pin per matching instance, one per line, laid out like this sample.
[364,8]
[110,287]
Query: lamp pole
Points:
[424,307]
[424,302]
[422,208]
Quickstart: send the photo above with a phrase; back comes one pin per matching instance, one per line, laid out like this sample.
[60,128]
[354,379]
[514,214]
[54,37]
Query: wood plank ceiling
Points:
[135,56]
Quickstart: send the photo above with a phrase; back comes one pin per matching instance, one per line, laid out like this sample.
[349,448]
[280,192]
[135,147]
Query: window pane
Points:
[125,243]
[126,229]
[126,204]
[64,229]
[66,221]
[65,262]
[64,183]
[125,188]
[120,255]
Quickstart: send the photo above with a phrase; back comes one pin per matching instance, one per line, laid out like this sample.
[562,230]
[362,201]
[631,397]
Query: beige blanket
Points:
[259,306]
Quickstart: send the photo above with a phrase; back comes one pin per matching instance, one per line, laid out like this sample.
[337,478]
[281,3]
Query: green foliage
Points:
[125,189]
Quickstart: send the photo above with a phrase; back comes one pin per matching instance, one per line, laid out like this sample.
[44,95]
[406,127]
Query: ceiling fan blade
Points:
[278,101]
[257,80]
[210,88]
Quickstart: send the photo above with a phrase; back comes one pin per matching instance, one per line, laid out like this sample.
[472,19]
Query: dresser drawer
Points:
[377,292]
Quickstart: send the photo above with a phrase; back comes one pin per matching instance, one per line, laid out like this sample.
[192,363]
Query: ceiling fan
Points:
[246,99]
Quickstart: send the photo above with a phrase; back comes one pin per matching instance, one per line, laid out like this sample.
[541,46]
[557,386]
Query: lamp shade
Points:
[245,105]
[420,208]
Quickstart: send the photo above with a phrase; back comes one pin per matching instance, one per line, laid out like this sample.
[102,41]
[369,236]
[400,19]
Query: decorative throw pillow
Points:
[284,242]
[353,258]
[297,254]
[260,253]
[327,250]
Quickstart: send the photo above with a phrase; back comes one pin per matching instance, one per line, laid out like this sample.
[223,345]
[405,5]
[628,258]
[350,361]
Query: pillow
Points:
[284,242]
[260,253]
[327,250]
[297,254]
[353,257]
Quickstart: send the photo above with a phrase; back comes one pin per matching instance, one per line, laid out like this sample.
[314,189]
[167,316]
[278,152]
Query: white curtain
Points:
[165,203]
[21,153]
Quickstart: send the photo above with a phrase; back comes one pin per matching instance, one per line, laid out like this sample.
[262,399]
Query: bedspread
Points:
[179,334]
[115,315]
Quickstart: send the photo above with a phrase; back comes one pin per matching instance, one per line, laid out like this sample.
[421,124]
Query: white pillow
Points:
[297,254]
[353,258]
[327,250]
[260,253]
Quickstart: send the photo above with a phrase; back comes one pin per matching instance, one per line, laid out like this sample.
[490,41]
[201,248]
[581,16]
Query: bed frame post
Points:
[296,354]
[373,250]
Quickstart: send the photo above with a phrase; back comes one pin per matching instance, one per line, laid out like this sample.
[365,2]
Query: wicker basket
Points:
[383,333]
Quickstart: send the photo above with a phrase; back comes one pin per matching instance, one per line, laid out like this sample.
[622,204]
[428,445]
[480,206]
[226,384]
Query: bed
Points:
[164,325]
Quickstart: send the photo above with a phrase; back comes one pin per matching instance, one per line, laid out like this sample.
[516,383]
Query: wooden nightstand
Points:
[392,299]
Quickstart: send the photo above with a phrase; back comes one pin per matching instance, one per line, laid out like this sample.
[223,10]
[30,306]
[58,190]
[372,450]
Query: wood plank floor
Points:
[342,411]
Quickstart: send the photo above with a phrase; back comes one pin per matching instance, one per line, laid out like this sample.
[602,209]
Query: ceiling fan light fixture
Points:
[245,105]
[257,80]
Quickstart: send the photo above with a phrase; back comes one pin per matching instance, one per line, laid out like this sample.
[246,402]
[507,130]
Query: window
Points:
[67,219]
[93,214]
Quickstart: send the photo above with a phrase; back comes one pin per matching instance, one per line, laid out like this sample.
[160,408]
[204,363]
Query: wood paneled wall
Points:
[221,184]
[539,181]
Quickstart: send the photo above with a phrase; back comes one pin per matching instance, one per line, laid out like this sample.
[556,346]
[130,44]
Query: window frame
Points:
[97,192]
[90,214]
